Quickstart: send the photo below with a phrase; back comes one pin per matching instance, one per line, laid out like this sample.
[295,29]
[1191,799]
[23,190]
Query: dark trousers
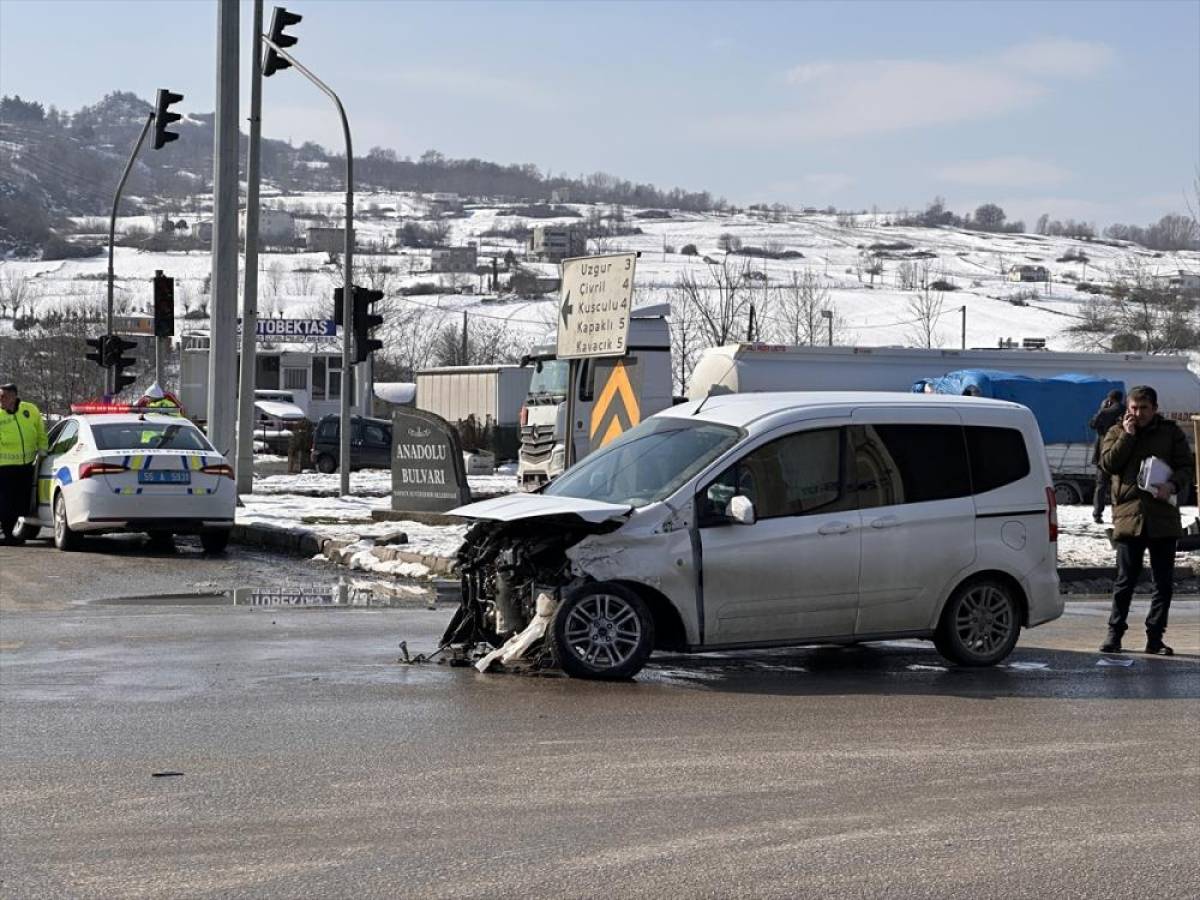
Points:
[16,485]
[1100,496]
[1130,556]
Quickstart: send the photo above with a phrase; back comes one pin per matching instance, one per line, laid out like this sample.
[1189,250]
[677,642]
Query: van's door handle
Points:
[834,528]
[886,522]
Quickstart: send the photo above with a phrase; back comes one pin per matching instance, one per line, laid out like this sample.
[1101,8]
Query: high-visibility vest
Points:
[22,435]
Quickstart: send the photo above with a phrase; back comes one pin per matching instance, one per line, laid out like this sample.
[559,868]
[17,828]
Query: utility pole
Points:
[222,347]
[249,360]
[963,310]
[465,345]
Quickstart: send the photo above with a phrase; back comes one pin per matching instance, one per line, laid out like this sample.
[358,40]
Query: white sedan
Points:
[147,472]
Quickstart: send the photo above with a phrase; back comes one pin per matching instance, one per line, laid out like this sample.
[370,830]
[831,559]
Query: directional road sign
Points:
[597,293]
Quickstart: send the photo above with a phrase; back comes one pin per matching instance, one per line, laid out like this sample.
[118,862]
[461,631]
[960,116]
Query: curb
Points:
[292,541]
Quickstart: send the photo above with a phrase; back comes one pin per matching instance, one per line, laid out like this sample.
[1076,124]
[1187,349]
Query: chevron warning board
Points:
[616,407]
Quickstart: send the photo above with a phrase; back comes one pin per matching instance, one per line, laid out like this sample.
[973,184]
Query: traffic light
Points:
[280,19]
[114,348]
[164,305]
[339,299]
[97,345]
[364,321]
[163,118]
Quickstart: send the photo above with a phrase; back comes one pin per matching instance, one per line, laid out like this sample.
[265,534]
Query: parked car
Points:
[370,444]
[275,416]
[774,519]
[145,472]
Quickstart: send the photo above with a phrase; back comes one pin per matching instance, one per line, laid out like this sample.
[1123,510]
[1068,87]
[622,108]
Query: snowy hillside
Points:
[838,251]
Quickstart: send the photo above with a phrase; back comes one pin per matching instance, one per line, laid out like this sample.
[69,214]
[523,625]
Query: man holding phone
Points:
[1144,519]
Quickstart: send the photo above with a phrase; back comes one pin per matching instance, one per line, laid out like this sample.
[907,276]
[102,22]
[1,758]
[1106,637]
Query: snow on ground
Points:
[1081,542]
[875,314]
[368,482]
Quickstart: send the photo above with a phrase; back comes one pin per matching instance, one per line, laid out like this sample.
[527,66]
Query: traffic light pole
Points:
[249,355]
[112,233]
[347,273]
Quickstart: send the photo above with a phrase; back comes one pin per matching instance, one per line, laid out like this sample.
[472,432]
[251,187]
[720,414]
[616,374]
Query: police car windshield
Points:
[647,463]
[149,436]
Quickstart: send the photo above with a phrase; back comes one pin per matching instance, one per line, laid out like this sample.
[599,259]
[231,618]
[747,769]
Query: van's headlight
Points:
[558,458]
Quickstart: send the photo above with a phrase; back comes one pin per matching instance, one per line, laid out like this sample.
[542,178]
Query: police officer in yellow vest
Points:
[22,435]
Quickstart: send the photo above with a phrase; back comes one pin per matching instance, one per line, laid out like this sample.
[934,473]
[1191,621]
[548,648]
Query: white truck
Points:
[613,393]
[492,396]
[771,367]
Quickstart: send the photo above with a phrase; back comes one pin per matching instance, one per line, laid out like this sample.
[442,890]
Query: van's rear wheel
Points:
[980,624]
[326,464]
[603,631]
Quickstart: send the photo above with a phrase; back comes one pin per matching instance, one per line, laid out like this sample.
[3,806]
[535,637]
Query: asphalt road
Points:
[311,764]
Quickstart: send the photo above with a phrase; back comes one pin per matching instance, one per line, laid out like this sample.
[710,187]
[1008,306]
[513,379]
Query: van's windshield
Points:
[647,463]
[549,378]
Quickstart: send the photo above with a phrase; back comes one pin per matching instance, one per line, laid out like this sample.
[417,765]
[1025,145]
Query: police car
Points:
[124,468]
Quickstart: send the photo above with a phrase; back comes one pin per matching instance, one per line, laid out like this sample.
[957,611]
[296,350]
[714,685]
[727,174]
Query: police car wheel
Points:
[26,532]
[214,541]
[64,537]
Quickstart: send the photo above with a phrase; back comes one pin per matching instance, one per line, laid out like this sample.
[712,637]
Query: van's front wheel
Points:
[980,624]
[603,631]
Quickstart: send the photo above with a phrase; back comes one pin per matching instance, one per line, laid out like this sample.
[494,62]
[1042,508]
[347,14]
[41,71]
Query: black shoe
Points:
[1099,520]
[1112,645]
[1156,647]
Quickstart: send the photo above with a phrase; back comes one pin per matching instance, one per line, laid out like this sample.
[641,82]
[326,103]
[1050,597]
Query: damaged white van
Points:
[767,520]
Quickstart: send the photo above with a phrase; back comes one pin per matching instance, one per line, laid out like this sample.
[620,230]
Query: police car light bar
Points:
[101,407]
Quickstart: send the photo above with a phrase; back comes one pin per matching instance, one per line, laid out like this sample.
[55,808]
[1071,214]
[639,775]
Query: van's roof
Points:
[742,409]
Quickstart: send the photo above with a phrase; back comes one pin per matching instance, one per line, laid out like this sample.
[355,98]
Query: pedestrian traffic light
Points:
[97,345]
[280,19]
[364,321]
[114,349]
[164,305]
[163,117]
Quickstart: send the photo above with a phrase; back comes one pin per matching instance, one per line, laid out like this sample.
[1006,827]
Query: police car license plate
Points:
[164,476]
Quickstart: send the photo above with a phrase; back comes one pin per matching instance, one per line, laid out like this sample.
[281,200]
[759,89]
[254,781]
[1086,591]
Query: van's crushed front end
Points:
[514,570]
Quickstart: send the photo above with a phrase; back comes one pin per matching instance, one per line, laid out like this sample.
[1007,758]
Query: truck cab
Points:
[612,394]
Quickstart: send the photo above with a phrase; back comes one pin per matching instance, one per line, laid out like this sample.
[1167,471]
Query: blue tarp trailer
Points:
[1062,404]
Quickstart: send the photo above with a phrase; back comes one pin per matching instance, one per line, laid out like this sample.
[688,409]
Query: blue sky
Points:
[1086,110]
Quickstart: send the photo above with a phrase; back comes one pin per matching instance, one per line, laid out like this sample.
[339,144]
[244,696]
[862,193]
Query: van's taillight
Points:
[88,469]
[1052,514]
[524,416]
[219,469]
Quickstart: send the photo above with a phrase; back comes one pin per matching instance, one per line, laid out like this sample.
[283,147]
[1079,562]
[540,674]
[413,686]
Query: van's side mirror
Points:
[741,510]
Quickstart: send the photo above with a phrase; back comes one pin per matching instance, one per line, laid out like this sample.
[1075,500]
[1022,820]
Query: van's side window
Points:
[998,456]
[796,475]
[374,434]
[909,463]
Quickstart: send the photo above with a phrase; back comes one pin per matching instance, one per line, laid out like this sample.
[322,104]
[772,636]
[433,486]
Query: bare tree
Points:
[800,307]
[686,340]
[15,291]
[273,276]
[302,282]
[721,301]
[925,308]
[1139,314]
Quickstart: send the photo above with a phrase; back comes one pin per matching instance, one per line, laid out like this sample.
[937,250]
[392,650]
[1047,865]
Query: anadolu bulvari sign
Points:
[428,474]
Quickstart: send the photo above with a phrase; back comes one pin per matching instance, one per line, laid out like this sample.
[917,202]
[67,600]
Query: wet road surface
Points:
[310,763]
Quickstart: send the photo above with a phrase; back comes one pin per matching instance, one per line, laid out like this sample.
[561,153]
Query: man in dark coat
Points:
[1108,415]
[1144,519]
